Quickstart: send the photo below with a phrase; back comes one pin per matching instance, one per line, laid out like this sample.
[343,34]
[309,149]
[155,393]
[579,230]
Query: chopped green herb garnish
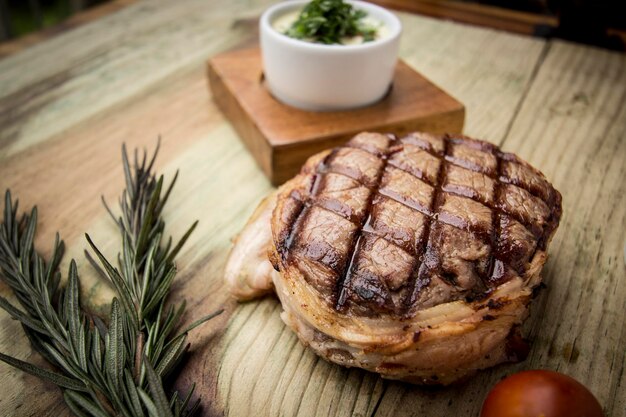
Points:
[328,21]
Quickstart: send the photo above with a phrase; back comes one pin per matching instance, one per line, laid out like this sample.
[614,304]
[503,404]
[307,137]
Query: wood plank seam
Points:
[380,399]
[529,84]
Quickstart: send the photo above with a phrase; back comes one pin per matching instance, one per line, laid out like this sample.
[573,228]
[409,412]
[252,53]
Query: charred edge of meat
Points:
[285,240]
[517,348]
[391,366]
[497,304]
[552,223]
[538,289]
[478,296]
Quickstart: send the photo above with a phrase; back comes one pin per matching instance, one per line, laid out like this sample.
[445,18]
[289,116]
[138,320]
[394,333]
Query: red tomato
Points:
[540,393]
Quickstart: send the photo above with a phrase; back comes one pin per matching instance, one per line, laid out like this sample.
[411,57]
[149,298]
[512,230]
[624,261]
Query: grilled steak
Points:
[414,257]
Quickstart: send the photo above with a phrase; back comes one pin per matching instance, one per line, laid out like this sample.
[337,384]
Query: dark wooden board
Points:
[281,137]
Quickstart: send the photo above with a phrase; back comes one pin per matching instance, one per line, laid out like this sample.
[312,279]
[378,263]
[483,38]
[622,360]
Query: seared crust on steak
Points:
[414,257]
[386,226]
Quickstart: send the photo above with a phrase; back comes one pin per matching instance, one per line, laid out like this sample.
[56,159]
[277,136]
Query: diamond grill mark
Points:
[344,278]
[420,280]
[430,262]
[495,226]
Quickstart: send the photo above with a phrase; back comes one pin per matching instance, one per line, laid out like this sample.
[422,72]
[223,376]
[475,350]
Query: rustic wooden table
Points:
[68,103]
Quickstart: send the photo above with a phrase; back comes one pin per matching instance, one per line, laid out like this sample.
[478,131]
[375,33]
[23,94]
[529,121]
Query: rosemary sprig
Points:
[328,21]
[104,370]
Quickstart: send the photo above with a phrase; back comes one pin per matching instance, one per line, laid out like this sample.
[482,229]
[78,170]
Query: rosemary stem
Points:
[104,402]
[139,355]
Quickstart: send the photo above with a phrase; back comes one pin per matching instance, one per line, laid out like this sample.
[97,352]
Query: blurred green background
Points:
[19,17]
[596,22]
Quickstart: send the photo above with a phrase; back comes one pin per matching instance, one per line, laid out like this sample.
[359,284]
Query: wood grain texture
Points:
[96,12]
[573,125]
[281,138]
[487,70]
[106,62]
[63,121]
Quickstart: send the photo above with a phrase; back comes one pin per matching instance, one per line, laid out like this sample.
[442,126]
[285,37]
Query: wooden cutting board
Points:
[281,137]
[560,106]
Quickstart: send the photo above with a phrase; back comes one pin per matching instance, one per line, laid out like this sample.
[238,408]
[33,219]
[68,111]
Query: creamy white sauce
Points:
[283,23]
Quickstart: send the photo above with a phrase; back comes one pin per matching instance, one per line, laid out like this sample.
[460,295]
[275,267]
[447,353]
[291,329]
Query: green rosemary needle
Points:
[104,370]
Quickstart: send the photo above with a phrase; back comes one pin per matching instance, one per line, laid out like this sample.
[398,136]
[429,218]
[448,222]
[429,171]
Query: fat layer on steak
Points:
[414,257]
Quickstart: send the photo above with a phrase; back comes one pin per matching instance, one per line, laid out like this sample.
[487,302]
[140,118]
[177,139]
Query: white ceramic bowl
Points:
[320,77]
